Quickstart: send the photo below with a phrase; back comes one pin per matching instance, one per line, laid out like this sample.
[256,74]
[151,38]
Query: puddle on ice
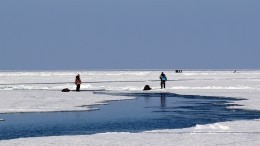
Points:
[147,112]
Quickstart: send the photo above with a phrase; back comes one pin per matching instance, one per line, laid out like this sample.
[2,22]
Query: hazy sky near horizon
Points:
[129,34]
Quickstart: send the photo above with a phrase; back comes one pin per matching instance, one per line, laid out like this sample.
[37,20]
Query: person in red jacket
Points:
[77,82]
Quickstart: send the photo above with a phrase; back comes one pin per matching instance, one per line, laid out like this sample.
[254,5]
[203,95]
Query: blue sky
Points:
[129,34]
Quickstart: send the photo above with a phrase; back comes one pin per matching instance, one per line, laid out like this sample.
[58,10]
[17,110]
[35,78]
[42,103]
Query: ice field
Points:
[30,92]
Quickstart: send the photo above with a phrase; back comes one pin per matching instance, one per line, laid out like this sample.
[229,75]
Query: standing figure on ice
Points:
[77,82]
[163,79]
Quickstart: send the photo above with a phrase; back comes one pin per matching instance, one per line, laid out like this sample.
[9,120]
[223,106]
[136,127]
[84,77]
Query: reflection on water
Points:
[163,101]
[149,111]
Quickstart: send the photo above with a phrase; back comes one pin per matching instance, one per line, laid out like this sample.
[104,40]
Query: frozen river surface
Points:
[197,107]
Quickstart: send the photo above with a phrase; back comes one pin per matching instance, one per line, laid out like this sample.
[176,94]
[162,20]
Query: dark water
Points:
[147,112]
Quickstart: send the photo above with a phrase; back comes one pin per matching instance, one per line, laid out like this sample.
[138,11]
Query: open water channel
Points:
[146,112]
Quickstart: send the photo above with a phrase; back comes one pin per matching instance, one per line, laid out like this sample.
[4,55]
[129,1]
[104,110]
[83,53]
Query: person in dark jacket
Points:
[77,82]
[163,79]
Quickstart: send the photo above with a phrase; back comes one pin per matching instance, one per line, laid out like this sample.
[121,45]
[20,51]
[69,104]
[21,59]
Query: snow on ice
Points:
[24,92]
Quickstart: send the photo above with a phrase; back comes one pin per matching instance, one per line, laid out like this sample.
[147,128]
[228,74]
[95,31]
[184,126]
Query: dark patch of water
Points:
[150,111]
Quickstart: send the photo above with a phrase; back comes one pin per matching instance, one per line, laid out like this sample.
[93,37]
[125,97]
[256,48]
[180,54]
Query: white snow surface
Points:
[20,93]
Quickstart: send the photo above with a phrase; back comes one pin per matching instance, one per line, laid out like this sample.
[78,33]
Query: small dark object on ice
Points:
[65,90]
[178,71]
[147,87]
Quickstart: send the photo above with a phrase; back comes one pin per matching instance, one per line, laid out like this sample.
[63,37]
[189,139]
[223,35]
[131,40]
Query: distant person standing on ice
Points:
[163,79]
[77,82]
